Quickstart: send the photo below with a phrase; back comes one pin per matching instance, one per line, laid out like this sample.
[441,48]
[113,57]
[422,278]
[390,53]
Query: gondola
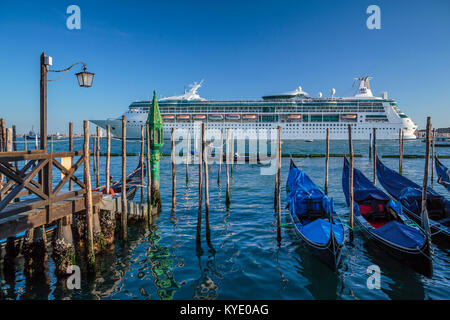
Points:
[409,194]
[133,183]
[383,222]
[443,174]
[312,213]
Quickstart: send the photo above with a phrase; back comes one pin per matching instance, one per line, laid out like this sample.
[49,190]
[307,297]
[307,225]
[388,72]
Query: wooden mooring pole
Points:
[108,158]
[400,151]
[88,199]
[327,156]
[424,212]
[433,156]
[200,194]
[205,161]
[71,149]
[279,187]
[220,157]
[97,157]
[374,156]
[188,154]
[370,145]
[350,146]
[174,173]
[124,216]
[141,162]
[227,160]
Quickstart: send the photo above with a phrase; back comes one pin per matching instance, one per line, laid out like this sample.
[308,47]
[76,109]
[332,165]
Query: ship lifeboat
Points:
[215,117]
[168,116]
[249,116]
[233,116]
[294,116]
[183,116]
[199,116]
[349,116]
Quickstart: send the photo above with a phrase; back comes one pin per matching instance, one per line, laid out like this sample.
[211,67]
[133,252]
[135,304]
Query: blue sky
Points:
[242,49]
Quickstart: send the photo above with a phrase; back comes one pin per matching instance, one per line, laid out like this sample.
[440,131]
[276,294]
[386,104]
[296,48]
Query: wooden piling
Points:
[279,187]
[14,142]
[433,156]
[350,146]
[2,137]
[149,177]
[400,144]
[124,213]
[108,158]
[25,146]
[174,172]
[88,199]
[141,161]
[370,146]
[205,161]
[97,157]
[71,149]
[232,153]
[200,195]
[188,154]
[424,212]
[327,156]
[374,156]
[227,159]
[94,156]
[220,157]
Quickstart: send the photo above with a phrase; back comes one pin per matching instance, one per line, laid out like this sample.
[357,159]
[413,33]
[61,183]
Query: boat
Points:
[168,116]
[215,117]
[232,117]
[199,116]
[133,183]
[382,220]
[313,215]
[409,194]
[309,140]
[443,174]
[296,112]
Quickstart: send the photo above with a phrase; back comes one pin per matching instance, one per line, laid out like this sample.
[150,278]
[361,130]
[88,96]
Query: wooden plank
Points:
[21,222]
[31,155]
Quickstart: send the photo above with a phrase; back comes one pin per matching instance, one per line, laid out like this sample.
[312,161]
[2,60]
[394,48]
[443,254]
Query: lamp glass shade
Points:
[85,78]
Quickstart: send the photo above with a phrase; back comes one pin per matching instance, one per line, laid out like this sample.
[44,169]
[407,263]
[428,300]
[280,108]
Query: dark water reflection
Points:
[243,259]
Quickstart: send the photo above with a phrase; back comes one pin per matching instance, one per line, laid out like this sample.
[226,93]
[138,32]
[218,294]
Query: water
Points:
[247,263]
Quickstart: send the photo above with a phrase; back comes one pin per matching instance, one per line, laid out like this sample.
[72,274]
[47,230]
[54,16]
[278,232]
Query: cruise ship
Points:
[301,117]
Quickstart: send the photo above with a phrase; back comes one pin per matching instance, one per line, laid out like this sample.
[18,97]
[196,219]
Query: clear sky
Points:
[242,49]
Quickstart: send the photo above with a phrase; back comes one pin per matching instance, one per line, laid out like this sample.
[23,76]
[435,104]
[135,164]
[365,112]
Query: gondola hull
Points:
[397,186]
[329,253]
[394,235]
[417,259]
[323,235]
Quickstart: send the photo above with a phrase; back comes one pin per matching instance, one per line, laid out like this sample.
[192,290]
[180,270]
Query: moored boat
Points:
[443,174]
[294,116]
[215,117]
[183,116]
[313,215]
[133,182]
[409,194]
[232,116]
[383,222]
[168,116]
[199,116]
[249,116]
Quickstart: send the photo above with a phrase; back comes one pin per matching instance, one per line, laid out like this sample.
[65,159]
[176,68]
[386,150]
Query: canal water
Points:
[245,260]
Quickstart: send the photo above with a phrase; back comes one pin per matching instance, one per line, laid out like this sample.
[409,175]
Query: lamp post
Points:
[156,124]
[84,80]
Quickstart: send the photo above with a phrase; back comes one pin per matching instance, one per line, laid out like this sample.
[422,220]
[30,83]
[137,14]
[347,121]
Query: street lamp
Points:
[84,80]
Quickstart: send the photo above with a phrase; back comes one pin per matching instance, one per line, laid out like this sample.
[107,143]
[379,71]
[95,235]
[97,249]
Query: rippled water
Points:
[246,262]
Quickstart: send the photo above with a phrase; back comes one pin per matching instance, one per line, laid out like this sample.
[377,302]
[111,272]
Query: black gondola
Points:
[383,222]
[409,194]
[312,213]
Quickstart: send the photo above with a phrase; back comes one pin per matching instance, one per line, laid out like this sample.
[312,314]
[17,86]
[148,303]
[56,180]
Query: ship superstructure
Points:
[302,117]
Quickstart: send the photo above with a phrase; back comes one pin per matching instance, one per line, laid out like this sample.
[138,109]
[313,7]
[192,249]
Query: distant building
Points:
[440,133]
